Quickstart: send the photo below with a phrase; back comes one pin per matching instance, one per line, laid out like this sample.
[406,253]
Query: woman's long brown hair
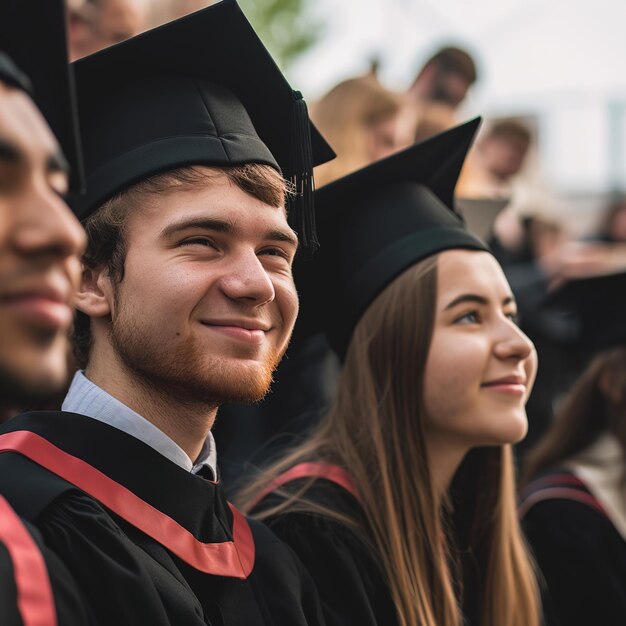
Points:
[595,404]
[375,430]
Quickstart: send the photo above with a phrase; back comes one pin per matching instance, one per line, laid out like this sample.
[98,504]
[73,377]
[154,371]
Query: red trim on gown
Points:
[234,559]
[333,473]
[557,486]
[35,602]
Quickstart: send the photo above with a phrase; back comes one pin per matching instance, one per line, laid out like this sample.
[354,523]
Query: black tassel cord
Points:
[300,205]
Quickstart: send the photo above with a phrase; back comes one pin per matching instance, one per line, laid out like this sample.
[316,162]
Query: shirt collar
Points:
[86,398]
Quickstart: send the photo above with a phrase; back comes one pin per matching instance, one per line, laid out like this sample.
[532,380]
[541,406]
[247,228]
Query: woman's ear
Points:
[95,294]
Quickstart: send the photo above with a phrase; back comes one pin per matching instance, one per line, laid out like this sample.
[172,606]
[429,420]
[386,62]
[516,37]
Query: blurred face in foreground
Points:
[40,245]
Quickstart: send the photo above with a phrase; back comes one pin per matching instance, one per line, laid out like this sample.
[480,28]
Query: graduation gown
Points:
[580,553]
[350,581]
[148,542]
[35,588]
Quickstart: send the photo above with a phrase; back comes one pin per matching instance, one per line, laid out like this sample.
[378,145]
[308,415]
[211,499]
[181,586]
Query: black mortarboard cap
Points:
[33,35]
[376,223]
[596,307]
[200,90]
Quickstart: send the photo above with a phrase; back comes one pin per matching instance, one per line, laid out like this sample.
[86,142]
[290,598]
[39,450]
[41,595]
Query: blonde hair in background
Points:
[345,115]
[163,11]
[374,429]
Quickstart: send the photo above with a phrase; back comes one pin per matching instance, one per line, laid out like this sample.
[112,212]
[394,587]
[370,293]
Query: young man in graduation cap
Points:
[189,300]
[40,246]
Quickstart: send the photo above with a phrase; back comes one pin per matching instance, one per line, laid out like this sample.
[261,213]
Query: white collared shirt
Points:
[86,398]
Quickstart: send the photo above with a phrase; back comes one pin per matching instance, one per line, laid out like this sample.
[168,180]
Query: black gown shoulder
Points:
[350,582]
[581,555]
[130,574]
[34,583]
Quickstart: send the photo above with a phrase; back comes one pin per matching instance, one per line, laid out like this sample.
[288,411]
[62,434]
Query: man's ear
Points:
[95,294]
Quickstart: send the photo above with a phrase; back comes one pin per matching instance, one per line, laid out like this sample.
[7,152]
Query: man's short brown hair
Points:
[106,226]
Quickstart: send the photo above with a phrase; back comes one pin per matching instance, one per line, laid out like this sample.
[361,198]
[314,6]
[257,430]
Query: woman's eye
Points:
[471,317]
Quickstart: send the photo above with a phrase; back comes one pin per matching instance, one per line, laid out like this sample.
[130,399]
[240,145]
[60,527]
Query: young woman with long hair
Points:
[364,122]
[402,501]
[574,505]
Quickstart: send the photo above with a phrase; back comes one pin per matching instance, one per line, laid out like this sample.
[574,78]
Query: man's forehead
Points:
[197,205]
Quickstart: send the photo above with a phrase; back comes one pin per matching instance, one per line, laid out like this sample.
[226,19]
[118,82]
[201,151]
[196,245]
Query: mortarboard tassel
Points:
[300,204]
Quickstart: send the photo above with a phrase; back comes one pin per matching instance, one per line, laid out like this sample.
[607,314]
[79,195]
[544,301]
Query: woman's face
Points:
[480,366]
[390,135]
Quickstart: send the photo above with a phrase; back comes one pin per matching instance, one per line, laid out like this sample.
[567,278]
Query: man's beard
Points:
[185,373]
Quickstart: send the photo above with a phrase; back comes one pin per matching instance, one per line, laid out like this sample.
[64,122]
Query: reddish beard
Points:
[182,370]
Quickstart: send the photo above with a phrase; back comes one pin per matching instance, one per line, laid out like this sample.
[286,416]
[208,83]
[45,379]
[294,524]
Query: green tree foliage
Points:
[285,26]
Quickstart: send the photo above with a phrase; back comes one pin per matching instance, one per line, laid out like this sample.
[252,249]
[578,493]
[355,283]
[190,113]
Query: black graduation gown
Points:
[35,587]
[580,553]
[302,390]
[350,581]
[148,542]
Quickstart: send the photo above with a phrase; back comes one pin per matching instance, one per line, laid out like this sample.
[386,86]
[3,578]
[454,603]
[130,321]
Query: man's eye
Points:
[278,252]
[514,317]
[58,183]
[198,241]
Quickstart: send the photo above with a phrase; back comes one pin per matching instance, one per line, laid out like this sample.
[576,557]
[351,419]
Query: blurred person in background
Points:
[574,509]
[440,88]
[97,24]
[613,229]
[492,171]
[603,252]
[445,78]
[433,119]
[496,160]
[163,11]
[363,122]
